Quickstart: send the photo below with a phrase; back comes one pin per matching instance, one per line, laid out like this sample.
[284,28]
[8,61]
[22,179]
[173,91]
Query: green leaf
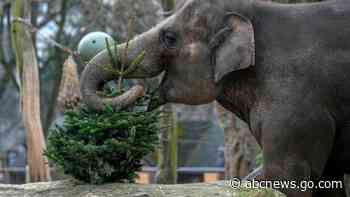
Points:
[111,56]
[135,63]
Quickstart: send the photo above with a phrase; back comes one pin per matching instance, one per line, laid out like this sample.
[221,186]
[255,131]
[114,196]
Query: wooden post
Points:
[27,69]
[167,154]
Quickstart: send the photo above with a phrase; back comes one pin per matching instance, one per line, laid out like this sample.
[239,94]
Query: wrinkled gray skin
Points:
[294,93]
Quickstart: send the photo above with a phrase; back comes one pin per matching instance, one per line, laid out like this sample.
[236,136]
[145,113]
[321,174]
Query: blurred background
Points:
[202,144]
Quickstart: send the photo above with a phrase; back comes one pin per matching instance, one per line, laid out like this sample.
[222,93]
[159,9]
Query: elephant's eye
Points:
[168,39]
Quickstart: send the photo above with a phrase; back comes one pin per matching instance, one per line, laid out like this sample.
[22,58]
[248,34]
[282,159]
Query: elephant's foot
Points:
[258,175]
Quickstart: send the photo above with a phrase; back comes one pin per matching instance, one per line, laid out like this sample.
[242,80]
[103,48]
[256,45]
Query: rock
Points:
[71,188]
[141,195]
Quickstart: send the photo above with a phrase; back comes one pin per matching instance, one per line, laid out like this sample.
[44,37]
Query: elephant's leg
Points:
[333,174]
[296,146]
[337,165]
[286,170]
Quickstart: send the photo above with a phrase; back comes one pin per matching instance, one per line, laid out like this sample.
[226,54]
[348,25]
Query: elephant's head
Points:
[195,47]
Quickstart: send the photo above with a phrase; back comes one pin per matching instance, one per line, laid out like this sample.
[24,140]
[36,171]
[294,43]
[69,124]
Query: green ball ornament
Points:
[93,43]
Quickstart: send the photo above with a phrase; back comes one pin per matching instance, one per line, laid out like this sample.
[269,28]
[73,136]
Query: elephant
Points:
[283,69]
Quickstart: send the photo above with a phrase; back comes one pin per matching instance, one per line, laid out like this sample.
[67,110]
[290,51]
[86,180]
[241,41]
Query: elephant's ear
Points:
[234,46]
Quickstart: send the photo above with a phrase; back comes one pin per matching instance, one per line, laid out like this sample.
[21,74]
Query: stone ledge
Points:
[71,188]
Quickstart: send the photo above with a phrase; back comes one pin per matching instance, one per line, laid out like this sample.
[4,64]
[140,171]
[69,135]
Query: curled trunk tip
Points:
[93,78]
[126,99]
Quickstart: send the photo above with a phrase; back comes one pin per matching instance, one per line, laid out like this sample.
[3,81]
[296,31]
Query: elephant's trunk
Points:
[100,70]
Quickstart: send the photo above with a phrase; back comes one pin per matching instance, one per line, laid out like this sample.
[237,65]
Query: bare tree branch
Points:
[47,38]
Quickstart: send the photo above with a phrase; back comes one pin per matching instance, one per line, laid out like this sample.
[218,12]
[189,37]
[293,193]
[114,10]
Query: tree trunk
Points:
[240,146]
[30,98]
[73,189]
[167,153]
